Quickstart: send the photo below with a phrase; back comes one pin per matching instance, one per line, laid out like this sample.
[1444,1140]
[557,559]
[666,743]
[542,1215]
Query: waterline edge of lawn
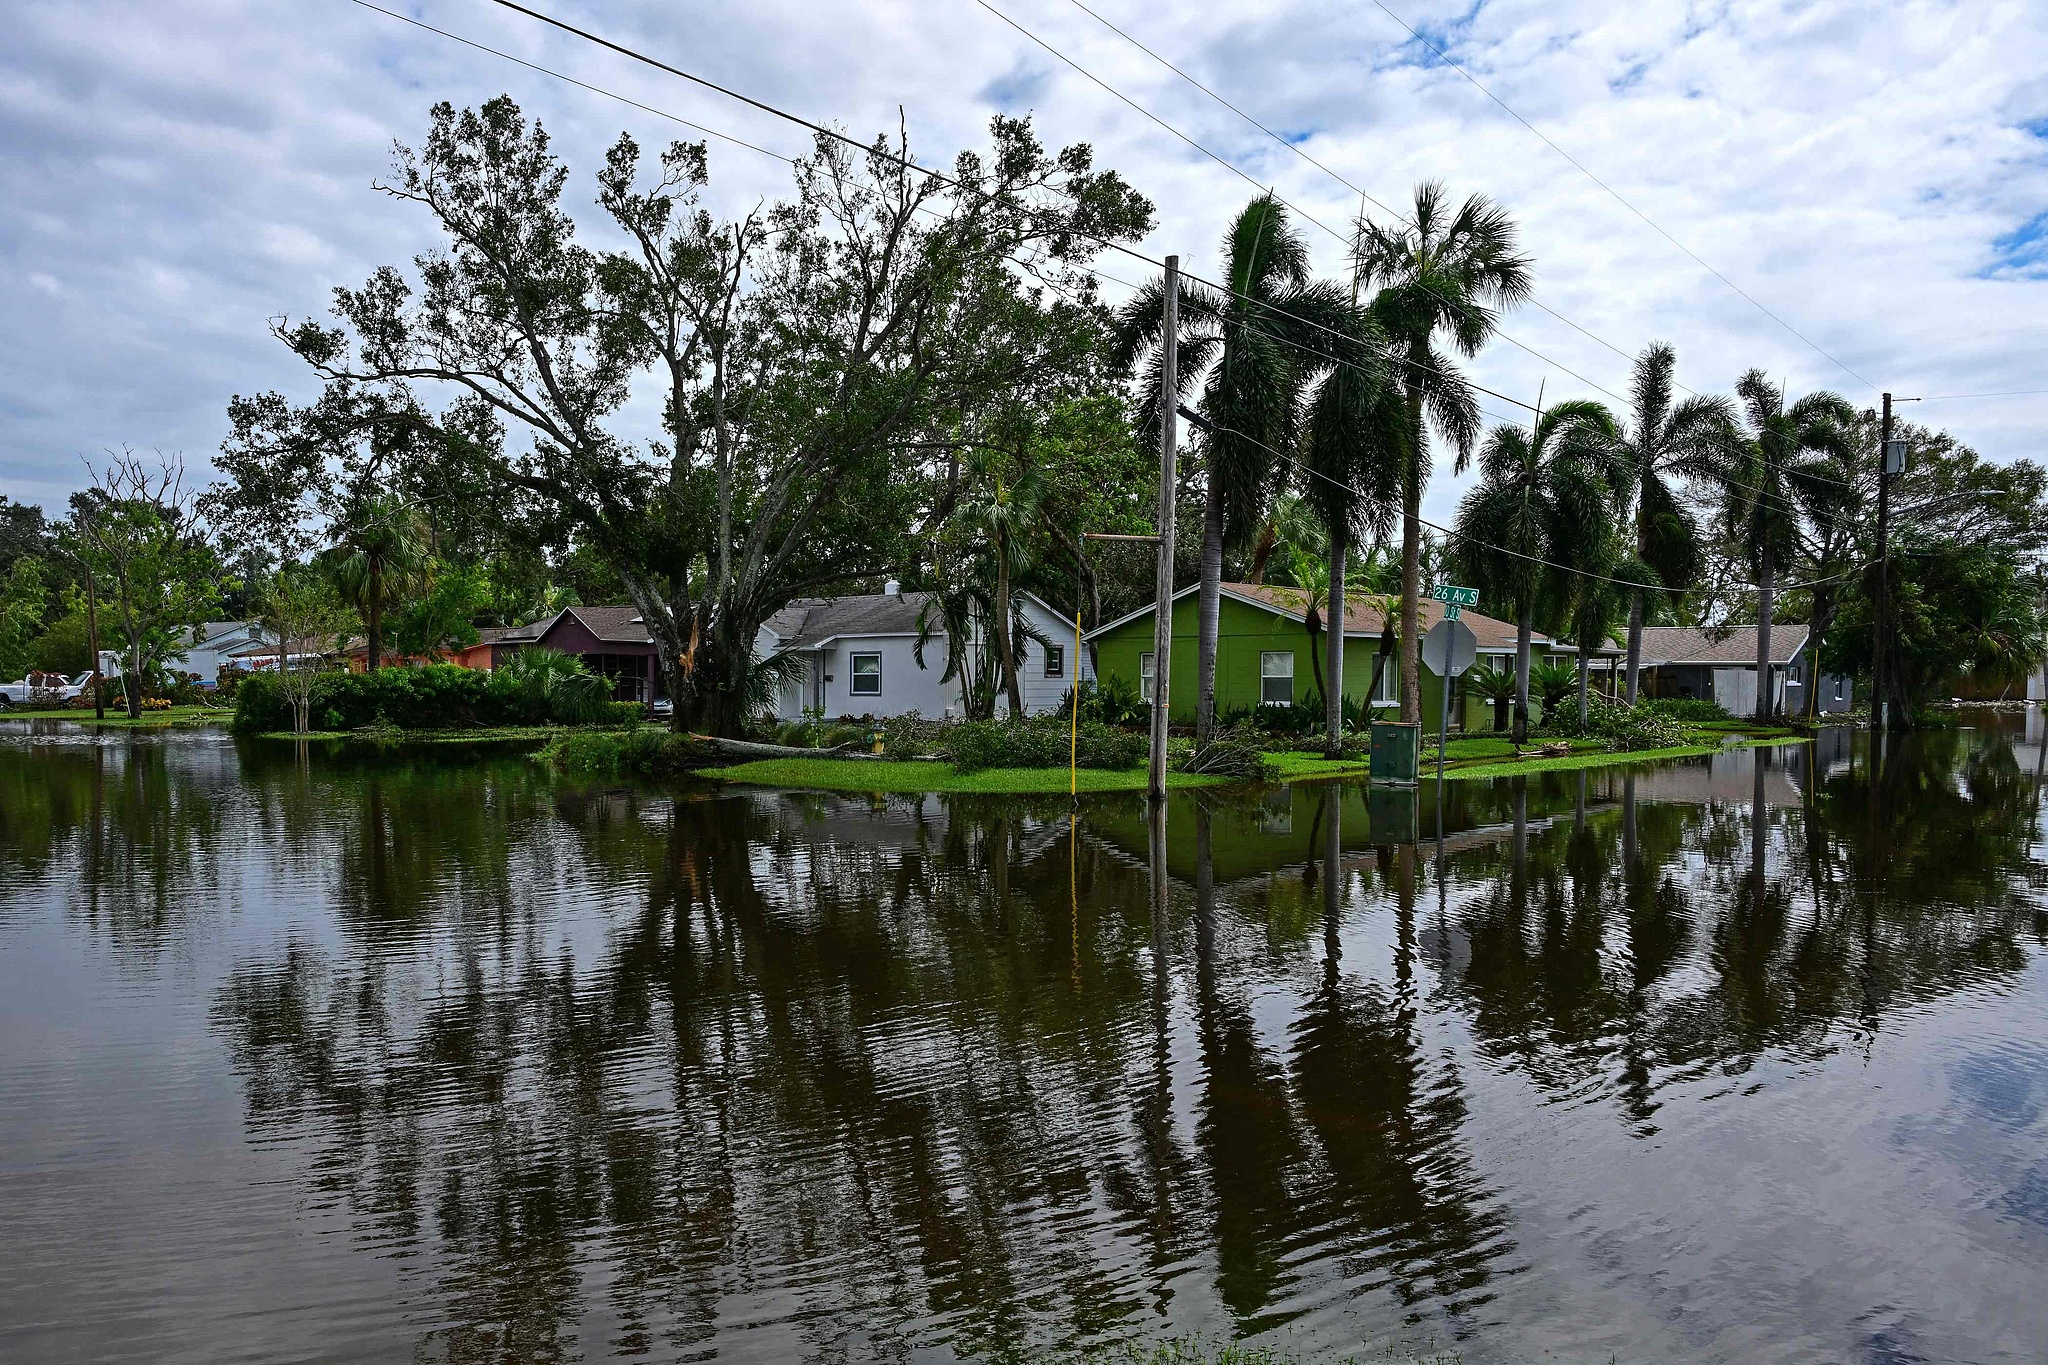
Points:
[904,776]
[117,716]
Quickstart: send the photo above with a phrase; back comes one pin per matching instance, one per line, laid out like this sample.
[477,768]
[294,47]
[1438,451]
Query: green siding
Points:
[1243,633]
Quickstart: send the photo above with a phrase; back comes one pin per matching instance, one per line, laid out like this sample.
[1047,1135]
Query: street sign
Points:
[1449,648]
[1454,595]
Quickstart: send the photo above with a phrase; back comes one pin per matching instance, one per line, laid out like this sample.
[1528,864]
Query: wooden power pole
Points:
[1880,627]
[1162,612]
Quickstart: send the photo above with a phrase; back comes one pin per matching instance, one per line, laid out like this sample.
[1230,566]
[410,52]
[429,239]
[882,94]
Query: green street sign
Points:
[1453,596]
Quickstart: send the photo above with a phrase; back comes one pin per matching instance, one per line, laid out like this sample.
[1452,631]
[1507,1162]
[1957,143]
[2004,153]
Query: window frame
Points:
[1266,678]
[1390,683]
[1148,675]
[854,676]
[1055,661]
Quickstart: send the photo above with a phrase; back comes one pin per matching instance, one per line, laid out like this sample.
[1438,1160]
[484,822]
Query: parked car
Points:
[51,689]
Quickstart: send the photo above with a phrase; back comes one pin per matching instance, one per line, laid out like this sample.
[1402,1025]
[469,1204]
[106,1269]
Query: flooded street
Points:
[1742,1058]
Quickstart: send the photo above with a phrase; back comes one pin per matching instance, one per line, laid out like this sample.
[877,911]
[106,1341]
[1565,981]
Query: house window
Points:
[1148,673]
[867,675]
[1276,677]
[1055,661]
[1388,693]
[1841,689]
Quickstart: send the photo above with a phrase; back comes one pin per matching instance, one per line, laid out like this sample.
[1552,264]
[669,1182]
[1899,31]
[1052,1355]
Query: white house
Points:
[207,648]
[859,657]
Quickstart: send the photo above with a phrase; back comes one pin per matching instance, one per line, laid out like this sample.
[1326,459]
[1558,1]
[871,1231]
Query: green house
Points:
[1263,653]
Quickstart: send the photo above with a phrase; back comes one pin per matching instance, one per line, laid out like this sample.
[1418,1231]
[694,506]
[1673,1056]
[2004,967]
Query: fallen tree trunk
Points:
[746,748]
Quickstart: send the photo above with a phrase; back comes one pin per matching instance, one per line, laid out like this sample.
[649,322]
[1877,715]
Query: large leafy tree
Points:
[1251,350]
[813,361]
[1785,469]
[1442,277]
[1666,442]
[1544,506]
[139,531]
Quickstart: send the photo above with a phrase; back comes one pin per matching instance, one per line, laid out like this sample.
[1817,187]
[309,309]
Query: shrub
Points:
[1232,753]
[1112,701]
[441,697]
[644,750]
[546,686]
[1631,727]
[1042,742]
[1692,710]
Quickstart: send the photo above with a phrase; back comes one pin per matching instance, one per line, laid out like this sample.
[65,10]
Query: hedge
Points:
[436,697]
[1042,742]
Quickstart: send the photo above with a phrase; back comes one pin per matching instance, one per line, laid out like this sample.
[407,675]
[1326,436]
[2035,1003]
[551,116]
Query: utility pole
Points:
[1881,623]
[92,633]
[1169,455]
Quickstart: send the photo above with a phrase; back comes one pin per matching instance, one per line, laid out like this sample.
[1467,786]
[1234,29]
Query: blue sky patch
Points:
[2023,251]
[1017,89]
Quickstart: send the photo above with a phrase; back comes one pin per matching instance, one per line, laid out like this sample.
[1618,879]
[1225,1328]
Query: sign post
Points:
[1449,649]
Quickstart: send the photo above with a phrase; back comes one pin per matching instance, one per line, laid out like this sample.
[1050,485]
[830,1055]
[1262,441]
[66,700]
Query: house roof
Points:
[1729,648]
[612,625]
[1361,615]
[209,630]
[813,621]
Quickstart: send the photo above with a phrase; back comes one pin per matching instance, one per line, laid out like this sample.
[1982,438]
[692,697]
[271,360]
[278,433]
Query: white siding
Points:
[905,685]
[1042,693]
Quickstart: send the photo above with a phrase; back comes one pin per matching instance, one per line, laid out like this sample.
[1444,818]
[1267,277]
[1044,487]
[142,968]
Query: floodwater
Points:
[1736,1059]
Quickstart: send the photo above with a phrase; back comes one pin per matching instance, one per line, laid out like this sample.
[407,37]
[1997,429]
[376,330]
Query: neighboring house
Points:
[483,653]
[858,656]
[212,645]
[1262,652]
[1683,661]
[611,641]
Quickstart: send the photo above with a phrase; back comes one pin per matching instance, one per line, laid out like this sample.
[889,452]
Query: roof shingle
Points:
[1728,648]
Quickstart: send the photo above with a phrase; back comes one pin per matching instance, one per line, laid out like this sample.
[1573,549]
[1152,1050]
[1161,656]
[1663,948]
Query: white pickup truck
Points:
[53,689]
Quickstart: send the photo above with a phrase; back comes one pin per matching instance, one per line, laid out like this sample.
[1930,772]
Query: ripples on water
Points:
[1738,1059]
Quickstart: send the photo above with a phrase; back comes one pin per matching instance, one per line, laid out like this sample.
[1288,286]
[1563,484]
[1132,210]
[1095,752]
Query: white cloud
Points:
[177,173]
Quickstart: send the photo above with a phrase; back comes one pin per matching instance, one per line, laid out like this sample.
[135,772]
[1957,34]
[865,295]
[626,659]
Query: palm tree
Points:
[1544,500]
[1354,446]
[1251,347]
[1779,473]
[381,557]
[1444,276]
[1003,517]
[1663,442]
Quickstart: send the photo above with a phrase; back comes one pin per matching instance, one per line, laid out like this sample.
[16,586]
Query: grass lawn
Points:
[853,775]
[1603,758]
[176,715]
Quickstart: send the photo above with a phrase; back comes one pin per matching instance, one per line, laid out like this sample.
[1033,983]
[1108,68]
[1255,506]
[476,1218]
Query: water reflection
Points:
[618,1070]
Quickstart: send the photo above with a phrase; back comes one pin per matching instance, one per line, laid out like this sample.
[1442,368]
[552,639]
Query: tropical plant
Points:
[1251,348]
[1497,685]
[1543,507]
[382,557]
[1783,470]
[1551,684]
[553,685]
[1000,518]
[1665,441]
[1444,274]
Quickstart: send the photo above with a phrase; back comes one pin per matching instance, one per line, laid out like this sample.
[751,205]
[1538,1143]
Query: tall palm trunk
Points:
[376,614]
[1766,593]
[1006,653]
[1635,605]
[1411,590]
[1333,631]
[1582,685]
[1525,624]
[1209,604]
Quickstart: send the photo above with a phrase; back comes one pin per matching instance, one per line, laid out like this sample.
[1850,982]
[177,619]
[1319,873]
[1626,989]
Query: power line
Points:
[1235,170]
[2009,393]
[1616,195]
[1301,152]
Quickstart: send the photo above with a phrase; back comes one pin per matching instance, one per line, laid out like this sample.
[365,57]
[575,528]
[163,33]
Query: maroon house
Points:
[611,641]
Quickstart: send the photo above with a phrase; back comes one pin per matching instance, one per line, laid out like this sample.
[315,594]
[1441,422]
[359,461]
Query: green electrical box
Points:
[1396,751]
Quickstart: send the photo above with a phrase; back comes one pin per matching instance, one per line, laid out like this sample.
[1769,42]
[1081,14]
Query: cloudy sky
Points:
[174,173]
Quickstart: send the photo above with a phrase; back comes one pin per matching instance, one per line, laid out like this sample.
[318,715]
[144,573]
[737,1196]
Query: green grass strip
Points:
[1606,758]
[176,715]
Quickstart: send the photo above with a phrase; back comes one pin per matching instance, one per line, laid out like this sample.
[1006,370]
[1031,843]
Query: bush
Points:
[1693,710]
[642,750]
[1631,727]
[1042,742]
[440,697]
